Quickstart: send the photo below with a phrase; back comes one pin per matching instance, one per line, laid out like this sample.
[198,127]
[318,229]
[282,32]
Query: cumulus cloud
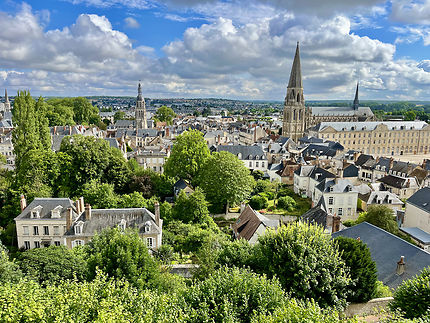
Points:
[411,12]
[131,22]
[135,4]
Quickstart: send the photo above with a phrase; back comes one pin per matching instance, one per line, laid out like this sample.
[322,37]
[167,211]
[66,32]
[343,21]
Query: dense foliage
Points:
[9,270]
[164,114]
[53,264]
[361,268]
[258,202]
[192,208]
[188,155]
[412,297]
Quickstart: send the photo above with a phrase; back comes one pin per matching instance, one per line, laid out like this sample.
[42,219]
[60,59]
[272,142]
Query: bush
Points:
[306,261]
[237,253]
[381,290]
[412,297]
[53,264]
[361,268]
[286,202]
[258,202]
[233,295]
[9,270]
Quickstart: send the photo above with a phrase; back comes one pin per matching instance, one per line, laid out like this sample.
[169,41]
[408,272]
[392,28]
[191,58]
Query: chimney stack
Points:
[81,204]
[157,212]
[78,206]
[401,266]
[336,224]
[23,202]
[69,218]
[87,212]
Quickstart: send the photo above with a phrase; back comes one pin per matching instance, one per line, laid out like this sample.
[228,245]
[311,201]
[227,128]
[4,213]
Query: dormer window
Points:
[78,227]
[331,189]
[122,224]
[35,213]
[56,213]
[147,226]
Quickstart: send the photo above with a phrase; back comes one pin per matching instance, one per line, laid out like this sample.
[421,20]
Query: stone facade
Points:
[140,114]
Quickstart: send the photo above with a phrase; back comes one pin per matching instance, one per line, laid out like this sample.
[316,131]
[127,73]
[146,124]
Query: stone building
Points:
[140,114]
[378,137]
[297,118]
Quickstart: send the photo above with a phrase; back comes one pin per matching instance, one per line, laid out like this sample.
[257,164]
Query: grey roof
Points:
[47,205]
[383,197]
[341,111]
[338,185]
[109,218]
[350,171]
[316,215]
[363,158]
[395,181]
[421,199]
[417,234]
[56,142]
[247,152]
[323,149]
[371,125]
[282,140]
[386,250]
[112,142]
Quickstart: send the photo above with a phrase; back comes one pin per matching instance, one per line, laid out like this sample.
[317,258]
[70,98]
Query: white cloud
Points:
[135,4]
[131,22]
[411,12]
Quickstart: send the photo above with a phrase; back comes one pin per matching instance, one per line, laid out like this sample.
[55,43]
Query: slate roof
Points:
[310,140]
[371,125]
[316,215]
[417,234]
[350,171]
[421,199]
[48,204]
[282,140]
[385,197]
[362,159]
[341,111]
[339,185]
[180,184]
[386,250]
[395,181]
[249,221]
[247,152]
[322,150]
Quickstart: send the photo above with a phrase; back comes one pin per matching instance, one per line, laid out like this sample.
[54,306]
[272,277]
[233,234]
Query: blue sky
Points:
[210,48]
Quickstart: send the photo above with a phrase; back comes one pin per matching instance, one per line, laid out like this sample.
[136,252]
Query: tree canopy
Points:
[164,114]
[188,155]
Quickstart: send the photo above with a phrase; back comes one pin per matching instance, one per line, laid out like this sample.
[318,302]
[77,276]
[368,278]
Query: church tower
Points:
[356,102]
[295,114]
[140,114]
[6,102]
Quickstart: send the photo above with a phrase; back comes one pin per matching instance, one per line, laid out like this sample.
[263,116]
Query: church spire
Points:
[356,102]
[139,92]
[6,102]
[296,71]
[6,98]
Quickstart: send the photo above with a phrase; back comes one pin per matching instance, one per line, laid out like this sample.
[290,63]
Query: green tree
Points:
[383,217]
[53,264]
[306,261]
[122,255]
[188,155]
[164,114]
[233,295]
[409,115]
[192,208]
[100,195]
[9,270]
[119,115]
[286,203]
[258,175]
[258,202]
[132,200]
[361,268]
[225,179]
[412,297]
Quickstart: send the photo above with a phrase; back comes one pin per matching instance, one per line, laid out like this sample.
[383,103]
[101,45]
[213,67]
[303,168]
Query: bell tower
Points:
[140,114]
[295,114]
[6,102]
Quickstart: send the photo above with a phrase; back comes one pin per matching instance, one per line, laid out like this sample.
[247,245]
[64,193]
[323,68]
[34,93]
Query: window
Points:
[36,244]
[46,230]
[77,243]
[27,245]
[77,229]
[150,242]
[147,226]
[331,200]
[56,230]
[36,230]
[25,230]
[330,210]
[256,164]
[57,243]
[340,211]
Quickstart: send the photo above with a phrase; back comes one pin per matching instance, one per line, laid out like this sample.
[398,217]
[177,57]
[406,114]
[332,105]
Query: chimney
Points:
[255,134]
[401,266]
[78,206]
[55,130]
[87,212]
[329,222]
[157,212]
[242,207]
[70,130]
[69,218]
[358,239]
[336,224]
[167,132]
[219,139]
[23,202]
[81,204]
[408,183]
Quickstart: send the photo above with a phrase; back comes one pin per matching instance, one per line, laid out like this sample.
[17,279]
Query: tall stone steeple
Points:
[140,114]
[6,102]
[295,114]
[356,102]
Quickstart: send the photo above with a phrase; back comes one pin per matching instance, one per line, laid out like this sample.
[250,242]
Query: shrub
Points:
[306,261]
[258,202]
[286,202]
[361,267]
[9,270]
[233,295]
[412,297]
[381,290]
[237,253]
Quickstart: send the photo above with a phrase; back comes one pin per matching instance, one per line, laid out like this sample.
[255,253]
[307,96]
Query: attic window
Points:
[78,227]
[425,204]
[331,189]
[147,226]
[56,212]
[35,213]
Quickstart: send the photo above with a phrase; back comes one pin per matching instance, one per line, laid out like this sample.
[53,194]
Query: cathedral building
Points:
[140,114]
[297,118]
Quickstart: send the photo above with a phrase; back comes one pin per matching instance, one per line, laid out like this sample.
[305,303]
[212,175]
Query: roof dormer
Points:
[56,212]
[35,213]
